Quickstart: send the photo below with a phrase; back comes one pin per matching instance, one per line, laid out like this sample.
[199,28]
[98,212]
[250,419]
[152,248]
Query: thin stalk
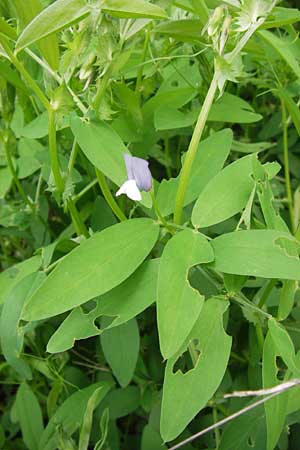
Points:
[216,430]
[160,216]
[73,156]
[27,77]
[79,225]
[260,336]
[15,176]
[84,190]
[192,149]
[109,197]
[286,165]
[59,182]
[140,72]
[102,86]
[267,290]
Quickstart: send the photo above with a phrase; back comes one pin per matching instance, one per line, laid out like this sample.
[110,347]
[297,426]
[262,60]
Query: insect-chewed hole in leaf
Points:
[288,246]
[184,362]
[89,306]
[281,368]
[251,441]
[104,321]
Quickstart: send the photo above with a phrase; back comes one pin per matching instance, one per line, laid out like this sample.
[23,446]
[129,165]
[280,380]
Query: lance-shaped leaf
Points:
[275,409]
[122,303]
[11,333]
[99,264]
[55,17]
[184,395]
[210,158]
[133,8]
[178,304]
[251,252]
[70,414]
[227,193]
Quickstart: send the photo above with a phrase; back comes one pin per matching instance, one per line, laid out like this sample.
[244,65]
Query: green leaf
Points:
[5,183]
[88,419]
[230,108]
[226,194]
[281,16]
[28,11]
[250,252]
[284,345]
[6,29]
[275,409]
[122,402]
[151,439]
[70,414]
[184,395]
[30,416]
[183,30]
[178,304]
[122,303]
[287,298]
[283,48]
[11,333]
[133,8]
[11,276]
[55,17]
[210,158]
[292,108]
[12,76]
[121,348]
[99,264]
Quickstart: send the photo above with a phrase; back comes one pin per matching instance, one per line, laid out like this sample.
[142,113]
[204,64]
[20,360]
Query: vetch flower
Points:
[139,178]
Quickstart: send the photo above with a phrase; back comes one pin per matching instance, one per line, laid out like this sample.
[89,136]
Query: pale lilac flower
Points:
[139,178]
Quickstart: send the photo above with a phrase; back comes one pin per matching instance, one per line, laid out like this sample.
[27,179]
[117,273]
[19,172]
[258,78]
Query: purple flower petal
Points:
[138,170]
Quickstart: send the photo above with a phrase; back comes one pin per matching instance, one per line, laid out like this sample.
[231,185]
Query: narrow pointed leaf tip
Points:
[139,178]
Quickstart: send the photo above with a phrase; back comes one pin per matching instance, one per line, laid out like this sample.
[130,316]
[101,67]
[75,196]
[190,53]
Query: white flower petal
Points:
[130,189]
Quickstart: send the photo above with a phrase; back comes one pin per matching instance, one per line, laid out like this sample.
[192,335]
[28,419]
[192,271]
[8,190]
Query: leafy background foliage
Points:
[123,324]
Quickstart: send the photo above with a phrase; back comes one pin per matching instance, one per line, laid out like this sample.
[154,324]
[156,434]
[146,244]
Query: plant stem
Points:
[216,430]
[140,72]
[15,176]
[79,225]
[27,77]
[101,88]
[109,197]
[59,182]
[286,165]
[192,150]
[84,190]
[160,216]
[73,156]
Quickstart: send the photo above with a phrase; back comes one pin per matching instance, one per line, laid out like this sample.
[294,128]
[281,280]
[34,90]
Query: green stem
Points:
[15,176]
[192,150]
[59,182]
[84,190]
[260,336]
[79,225]
[216,430]
[286,165]
[160,216]
[140,72]
[101,88]
[109,197]
[27,77]
[266,292]
[73,156]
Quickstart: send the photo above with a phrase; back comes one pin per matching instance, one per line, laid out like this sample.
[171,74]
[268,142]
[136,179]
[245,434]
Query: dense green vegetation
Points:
[141,296]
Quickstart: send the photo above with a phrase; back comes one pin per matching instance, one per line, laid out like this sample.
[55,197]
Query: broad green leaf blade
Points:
[133,8]
[287,298]
[122,303]
[11,276]
[292,108]
[99,264]
[69,415]
[86,427]
[283,48]
[281,16]
[30,416]
[11,333]
[275,409]
[12,76]
[121,402]
[230,108]
[251,253]
[184,395]
[151,439]
[178,304]
[183,30]
[5,184]
[26,12]
[57,16]
[284,345]
[105,149]
[226,194]
[7,29]
[210,158]
[121,348]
